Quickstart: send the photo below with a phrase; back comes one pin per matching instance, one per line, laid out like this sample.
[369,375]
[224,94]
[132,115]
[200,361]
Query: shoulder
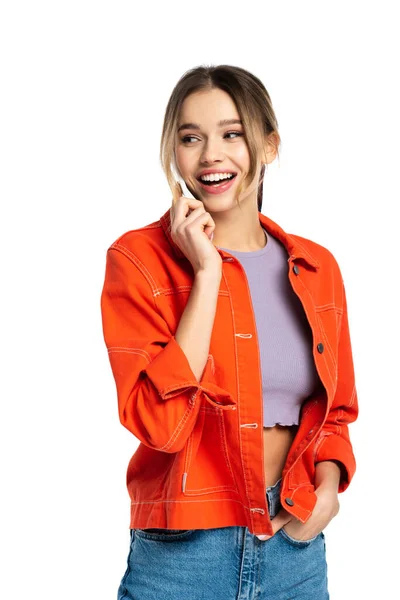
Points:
[148,248]
[142,242]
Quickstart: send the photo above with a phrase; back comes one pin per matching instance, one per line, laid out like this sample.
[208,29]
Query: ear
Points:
[270,147]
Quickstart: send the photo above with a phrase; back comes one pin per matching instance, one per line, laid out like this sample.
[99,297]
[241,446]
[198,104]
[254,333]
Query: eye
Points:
[188,137]
[234,133]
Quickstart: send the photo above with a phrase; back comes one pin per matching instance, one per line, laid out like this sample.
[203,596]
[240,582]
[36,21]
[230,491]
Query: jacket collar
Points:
[291,243]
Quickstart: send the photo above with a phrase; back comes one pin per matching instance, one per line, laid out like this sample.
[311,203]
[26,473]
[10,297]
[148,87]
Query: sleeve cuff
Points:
[335,448]
[171,374]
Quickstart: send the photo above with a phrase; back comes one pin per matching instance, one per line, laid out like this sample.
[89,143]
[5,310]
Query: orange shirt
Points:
[199,463]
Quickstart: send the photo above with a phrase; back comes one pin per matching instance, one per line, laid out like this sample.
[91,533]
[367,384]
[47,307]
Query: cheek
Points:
[183,160]
[242,157]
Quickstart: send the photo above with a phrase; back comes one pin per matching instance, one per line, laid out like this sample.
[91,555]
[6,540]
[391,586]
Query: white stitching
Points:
[323,355]
[237,383]
[122,350]
[182,422]
[326,340]
[142,268]
[326,307]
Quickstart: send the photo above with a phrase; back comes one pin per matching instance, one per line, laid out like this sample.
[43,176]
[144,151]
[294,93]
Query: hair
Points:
[253,104]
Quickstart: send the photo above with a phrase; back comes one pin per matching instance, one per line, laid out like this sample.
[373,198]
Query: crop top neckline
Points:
[252,253]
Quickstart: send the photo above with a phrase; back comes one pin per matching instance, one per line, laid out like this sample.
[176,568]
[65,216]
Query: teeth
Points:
[216,176]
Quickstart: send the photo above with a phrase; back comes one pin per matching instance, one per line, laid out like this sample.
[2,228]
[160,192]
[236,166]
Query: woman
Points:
[229,343]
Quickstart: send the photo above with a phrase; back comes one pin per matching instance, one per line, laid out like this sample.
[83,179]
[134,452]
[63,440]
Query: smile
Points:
[219,187]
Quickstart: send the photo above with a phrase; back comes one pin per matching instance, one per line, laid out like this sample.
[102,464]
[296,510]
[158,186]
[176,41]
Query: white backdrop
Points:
[84,89]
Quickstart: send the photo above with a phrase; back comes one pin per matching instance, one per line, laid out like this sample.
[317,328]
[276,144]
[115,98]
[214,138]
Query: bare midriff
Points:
[277,443]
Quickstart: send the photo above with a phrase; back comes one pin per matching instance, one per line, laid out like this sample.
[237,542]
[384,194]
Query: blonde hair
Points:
[253,104]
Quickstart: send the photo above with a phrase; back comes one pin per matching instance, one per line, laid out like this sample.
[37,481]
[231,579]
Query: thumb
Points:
[280,519]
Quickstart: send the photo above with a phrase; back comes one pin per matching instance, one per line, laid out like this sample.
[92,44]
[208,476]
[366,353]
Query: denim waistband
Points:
[271,487]
[273,498]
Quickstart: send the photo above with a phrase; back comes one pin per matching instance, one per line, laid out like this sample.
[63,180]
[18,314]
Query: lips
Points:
[214,172]
[220,188]
[214,182]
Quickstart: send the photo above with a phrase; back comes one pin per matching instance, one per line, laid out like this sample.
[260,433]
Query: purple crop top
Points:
[285,337]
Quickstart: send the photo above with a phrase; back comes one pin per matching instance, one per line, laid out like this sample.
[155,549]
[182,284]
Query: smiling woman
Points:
[239,114]
[203,143]
[219,138]
[237,386]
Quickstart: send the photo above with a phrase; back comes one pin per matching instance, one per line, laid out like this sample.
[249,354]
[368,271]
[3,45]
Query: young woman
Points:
[229,343]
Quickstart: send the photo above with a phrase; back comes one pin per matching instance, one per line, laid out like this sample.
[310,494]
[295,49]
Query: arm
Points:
[333,443]
[328,473]
[159,395]
[193,333]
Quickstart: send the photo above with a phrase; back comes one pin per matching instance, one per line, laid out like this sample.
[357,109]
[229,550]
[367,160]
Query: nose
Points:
[212,151]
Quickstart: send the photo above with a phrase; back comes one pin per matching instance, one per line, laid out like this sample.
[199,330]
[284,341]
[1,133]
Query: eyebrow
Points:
[220,124]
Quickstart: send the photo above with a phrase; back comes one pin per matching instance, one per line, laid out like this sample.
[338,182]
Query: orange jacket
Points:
[200,461]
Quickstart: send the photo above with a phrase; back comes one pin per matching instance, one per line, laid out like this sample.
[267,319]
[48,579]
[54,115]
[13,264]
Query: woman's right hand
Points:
[192,230]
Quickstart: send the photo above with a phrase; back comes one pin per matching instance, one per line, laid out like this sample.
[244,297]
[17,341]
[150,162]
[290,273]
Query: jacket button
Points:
[320,348]
[296,269]
[289,501]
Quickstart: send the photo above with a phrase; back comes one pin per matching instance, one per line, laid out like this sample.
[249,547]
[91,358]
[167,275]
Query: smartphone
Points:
[177,192]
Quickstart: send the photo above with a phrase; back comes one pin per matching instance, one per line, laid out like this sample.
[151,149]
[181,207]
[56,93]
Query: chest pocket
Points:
[329,321]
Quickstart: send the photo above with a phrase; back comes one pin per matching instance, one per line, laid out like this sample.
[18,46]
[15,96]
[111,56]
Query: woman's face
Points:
[203,143]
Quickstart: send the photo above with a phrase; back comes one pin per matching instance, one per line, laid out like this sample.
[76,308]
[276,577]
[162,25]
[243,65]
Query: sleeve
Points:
[333,442]
[159,397]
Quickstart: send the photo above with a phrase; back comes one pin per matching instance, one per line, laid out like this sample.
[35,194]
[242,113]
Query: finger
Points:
[281,519]
[184,208]
[191,217]
[196,220]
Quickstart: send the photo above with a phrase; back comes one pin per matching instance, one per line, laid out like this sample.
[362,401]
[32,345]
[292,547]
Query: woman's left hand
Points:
[326,507]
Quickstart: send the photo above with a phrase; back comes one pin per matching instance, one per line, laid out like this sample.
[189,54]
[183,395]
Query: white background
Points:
[84,87]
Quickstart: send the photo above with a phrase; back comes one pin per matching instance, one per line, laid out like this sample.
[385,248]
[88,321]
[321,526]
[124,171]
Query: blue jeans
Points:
[225,563]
